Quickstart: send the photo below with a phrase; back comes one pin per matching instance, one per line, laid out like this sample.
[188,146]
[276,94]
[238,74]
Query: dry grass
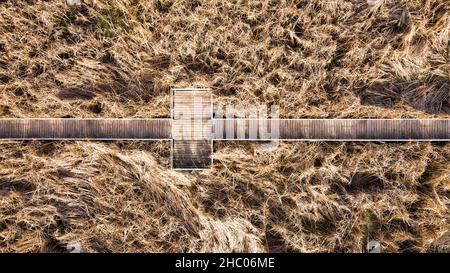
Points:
[313,58]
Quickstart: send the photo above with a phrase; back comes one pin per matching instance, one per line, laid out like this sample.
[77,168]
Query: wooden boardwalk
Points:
[333,129]
[85,129]
[288,129]
[192,129]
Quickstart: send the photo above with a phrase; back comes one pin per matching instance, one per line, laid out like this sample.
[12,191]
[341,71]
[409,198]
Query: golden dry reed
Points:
[317,58]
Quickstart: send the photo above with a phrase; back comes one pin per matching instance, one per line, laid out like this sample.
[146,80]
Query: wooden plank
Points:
[191,154]
[335,129]
[192,135]
[85,129]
